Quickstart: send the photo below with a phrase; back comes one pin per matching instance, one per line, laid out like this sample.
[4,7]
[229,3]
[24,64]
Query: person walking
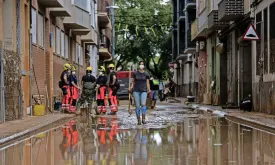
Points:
[154,86]
[113,87]
[141,88]
[101,85]
[64,84]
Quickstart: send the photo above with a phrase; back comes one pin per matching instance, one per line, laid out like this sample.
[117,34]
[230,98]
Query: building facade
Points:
[47,34]
[224,58]
[184,50]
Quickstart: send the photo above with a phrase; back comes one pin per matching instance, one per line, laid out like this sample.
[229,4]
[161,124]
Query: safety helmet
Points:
[111,66]
[89,68]
[66,66]
[73,68]
[102,69]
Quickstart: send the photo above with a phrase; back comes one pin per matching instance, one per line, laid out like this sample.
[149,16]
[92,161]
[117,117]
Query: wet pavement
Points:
[174,135]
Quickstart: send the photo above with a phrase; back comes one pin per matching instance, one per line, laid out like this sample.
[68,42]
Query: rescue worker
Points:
[65,86]
[74,89]
[101,85]
[88,85]
[113,87]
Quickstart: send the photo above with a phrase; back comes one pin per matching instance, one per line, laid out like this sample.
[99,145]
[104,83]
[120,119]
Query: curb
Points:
[239,119]
[34,130]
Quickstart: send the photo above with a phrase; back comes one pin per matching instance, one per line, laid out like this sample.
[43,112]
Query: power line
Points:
[120,16]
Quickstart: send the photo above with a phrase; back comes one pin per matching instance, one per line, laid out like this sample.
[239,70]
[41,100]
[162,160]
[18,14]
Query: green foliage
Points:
[148,37]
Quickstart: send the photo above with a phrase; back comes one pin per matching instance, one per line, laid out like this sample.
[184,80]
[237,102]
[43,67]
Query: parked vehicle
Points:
[123,79]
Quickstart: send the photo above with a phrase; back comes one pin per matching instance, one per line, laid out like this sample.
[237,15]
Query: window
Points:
[202,5]
[62,53]
[80,55]
[53,36]
[57,41]
[40,30]
[272,38]
[76,52]
[33,30]
[66,46]
[82,4]
[93,14]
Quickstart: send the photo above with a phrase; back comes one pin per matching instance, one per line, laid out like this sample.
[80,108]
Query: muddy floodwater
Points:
[107,141]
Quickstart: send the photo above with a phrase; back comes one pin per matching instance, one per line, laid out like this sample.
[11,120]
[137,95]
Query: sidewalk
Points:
[30,125]
[253,119]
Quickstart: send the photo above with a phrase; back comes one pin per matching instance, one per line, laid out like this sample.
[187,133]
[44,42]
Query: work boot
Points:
[143,119]
[138,119]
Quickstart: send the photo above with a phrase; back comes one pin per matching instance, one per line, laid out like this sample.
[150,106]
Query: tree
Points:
[148,36]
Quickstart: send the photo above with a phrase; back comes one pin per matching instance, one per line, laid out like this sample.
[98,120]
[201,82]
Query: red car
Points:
[123,78]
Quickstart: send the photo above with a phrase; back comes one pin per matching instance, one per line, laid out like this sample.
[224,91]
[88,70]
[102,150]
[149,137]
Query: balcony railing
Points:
[190,4]
[214,23]
[104,48]
[80,19]
[194,29]
[64,11]
[230,10]
[50,3]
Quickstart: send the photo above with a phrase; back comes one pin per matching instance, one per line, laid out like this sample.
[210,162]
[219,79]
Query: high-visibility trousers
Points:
[66,97]
[112,100]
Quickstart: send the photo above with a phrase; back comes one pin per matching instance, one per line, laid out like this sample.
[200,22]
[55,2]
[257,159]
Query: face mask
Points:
[73,72]
[100,73]
[141,66]
[69,71]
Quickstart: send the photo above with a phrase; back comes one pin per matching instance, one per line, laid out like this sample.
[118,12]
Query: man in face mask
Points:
[88,85]
[113,87]
[64,84]
[101,85]
[74,89]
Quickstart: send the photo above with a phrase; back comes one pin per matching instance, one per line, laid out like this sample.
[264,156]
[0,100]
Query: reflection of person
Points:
[141,86]
[70,139]
[141,153]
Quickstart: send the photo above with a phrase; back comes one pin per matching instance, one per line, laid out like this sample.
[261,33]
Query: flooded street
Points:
[173,135]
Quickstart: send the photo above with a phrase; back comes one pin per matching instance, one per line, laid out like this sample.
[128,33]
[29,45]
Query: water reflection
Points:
[99,141]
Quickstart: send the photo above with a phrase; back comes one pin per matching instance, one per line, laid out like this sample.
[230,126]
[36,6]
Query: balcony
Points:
[230,10]
[50,3]
[80,19]
[90,38]
[190,4]
[63,11]
[104,48]
[191,45]
[214,23]
[103,19]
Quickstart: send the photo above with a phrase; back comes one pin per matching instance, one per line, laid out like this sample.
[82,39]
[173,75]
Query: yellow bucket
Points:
[38,110]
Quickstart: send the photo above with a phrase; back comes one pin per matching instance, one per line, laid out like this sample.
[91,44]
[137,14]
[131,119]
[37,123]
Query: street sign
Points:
[171,65]
[250,33]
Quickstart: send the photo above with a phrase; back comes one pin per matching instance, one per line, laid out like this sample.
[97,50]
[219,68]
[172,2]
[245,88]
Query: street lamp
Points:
[113,23]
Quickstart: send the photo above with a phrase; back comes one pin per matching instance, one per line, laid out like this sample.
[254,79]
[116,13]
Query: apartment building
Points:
[62,31]
[184,12]
[224,58]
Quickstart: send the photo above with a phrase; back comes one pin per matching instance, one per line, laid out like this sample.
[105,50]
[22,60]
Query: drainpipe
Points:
[30,59]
